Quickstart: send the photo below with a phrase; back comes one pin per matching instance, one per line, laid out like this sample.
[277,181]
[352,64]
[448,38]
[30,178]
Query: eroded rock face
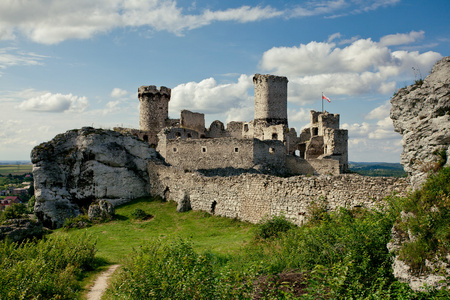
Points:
[80,166]
[421,114]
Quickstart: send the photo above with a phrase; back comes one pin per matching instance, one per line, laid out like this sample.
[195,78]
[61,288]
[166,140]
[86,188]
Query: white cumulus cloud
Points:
[54,21]
[379,112]
[118,93]
[49,102]
[207,96]
[362,67]
[402,38]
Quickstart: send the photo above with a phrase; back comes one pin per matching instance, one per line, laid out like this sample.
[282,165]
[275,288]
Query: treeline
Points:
[377,169]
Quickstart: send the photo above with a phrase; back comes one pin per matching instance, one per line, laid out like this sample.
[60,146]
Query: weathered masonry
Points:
[251,197]
[265,144]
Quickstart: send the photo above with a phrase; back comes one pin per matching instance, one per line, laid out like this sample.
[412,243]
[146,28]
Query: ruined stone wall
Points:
[299,166]
[327,120]
[275,132]
[251,197]
[235,129]
[270,156]
[149,136]
[219,153]
[336,141]
[192,120]
[217,130]
[270,98]
[209,153]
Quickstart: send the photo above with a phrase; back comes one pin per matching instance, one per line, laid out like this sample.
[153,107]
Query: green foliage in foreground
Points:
[340,255]
[173,270]
[344,257]
[139,214]
[45,269]
[14,211]
[428,221]
[273,227]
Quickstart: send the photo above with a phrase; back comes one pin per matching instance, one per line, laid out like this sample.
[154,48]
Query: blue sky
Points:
[66,64]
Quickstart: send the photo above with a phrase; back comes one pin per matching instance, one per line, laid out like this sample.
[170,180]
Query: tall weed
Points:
[173,270]
[45,269]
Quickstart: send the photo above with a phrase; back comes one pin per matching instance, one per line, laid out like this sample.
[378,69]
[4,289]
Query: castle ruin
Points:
[265,144]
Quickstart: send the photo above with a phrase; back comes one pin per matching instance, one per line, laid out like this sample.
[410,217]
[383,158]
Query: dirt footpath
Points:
[100,284]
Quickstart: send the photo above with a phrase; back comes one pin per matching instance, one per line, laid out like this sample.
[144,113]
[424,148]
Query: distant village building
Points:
[8,201]
[265,143]
[20,191]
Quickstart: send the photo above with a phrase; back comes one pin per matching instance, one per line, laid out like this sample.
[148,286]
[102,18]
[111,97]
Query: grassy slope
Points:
[116,239]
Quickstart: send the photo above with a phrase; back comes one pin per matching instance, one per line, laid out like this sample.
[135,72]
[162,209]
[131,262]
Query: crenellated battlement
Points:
[267,77]
[154,108]
[152,90]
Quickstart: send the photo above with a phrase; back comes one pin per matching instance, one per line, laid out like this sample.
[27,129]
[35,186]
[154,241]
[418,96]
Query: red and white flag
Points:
[326,98]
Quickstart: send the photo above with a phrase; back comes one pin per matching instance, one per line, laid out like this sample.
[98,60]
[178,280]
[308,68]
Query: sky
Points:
[66,64]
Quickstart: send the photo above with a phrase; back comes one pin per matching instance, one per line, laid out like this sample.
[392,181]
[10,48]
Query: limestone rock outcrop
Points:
[421,114]
[103,210]
[81,166]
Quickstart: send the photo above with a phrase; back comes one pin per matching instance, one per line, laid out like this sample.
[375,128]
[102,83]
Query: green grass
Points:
[15,169]
[116,239]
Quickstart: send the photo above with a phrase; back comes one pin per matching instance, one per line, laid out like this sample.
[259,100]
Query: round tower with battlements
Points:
[270,99]
[154,107]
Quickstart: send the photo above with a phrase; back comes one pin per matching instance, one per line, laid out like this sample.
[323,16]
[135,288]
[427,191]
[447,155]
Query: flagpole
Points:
[322,102]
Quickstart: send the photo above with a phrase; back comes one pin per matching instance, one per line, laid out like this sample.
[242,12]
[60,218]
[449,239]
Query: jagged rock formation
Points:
[83,165]
[404,273]
[421,114]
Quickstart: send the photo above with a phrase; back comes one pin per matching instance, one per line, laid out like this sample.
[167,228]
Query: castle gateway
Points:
[265,144]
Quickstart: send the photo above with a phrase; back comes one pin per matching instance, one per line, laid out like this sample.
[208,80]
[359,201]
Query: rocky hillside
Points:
[421,114]
[81,166]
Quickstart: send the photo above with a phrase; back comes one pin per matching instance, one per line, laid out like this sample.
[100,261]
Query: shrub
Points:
[14,211]
[80,221]
[30,204]
[273,227]
[317,211]
[173,270]
[46,269]
[139,214]
[429,222]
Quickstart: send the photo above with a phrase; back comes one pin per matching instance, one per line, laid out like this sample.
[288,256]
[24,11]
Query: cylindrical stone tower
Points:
[154,107]
[270,99]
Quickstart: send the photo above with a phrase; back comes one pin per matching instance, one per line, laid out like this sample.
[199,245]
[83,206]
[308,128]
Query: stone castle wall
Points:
[192,120]
[198,154]
[251,197]
[297,165]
